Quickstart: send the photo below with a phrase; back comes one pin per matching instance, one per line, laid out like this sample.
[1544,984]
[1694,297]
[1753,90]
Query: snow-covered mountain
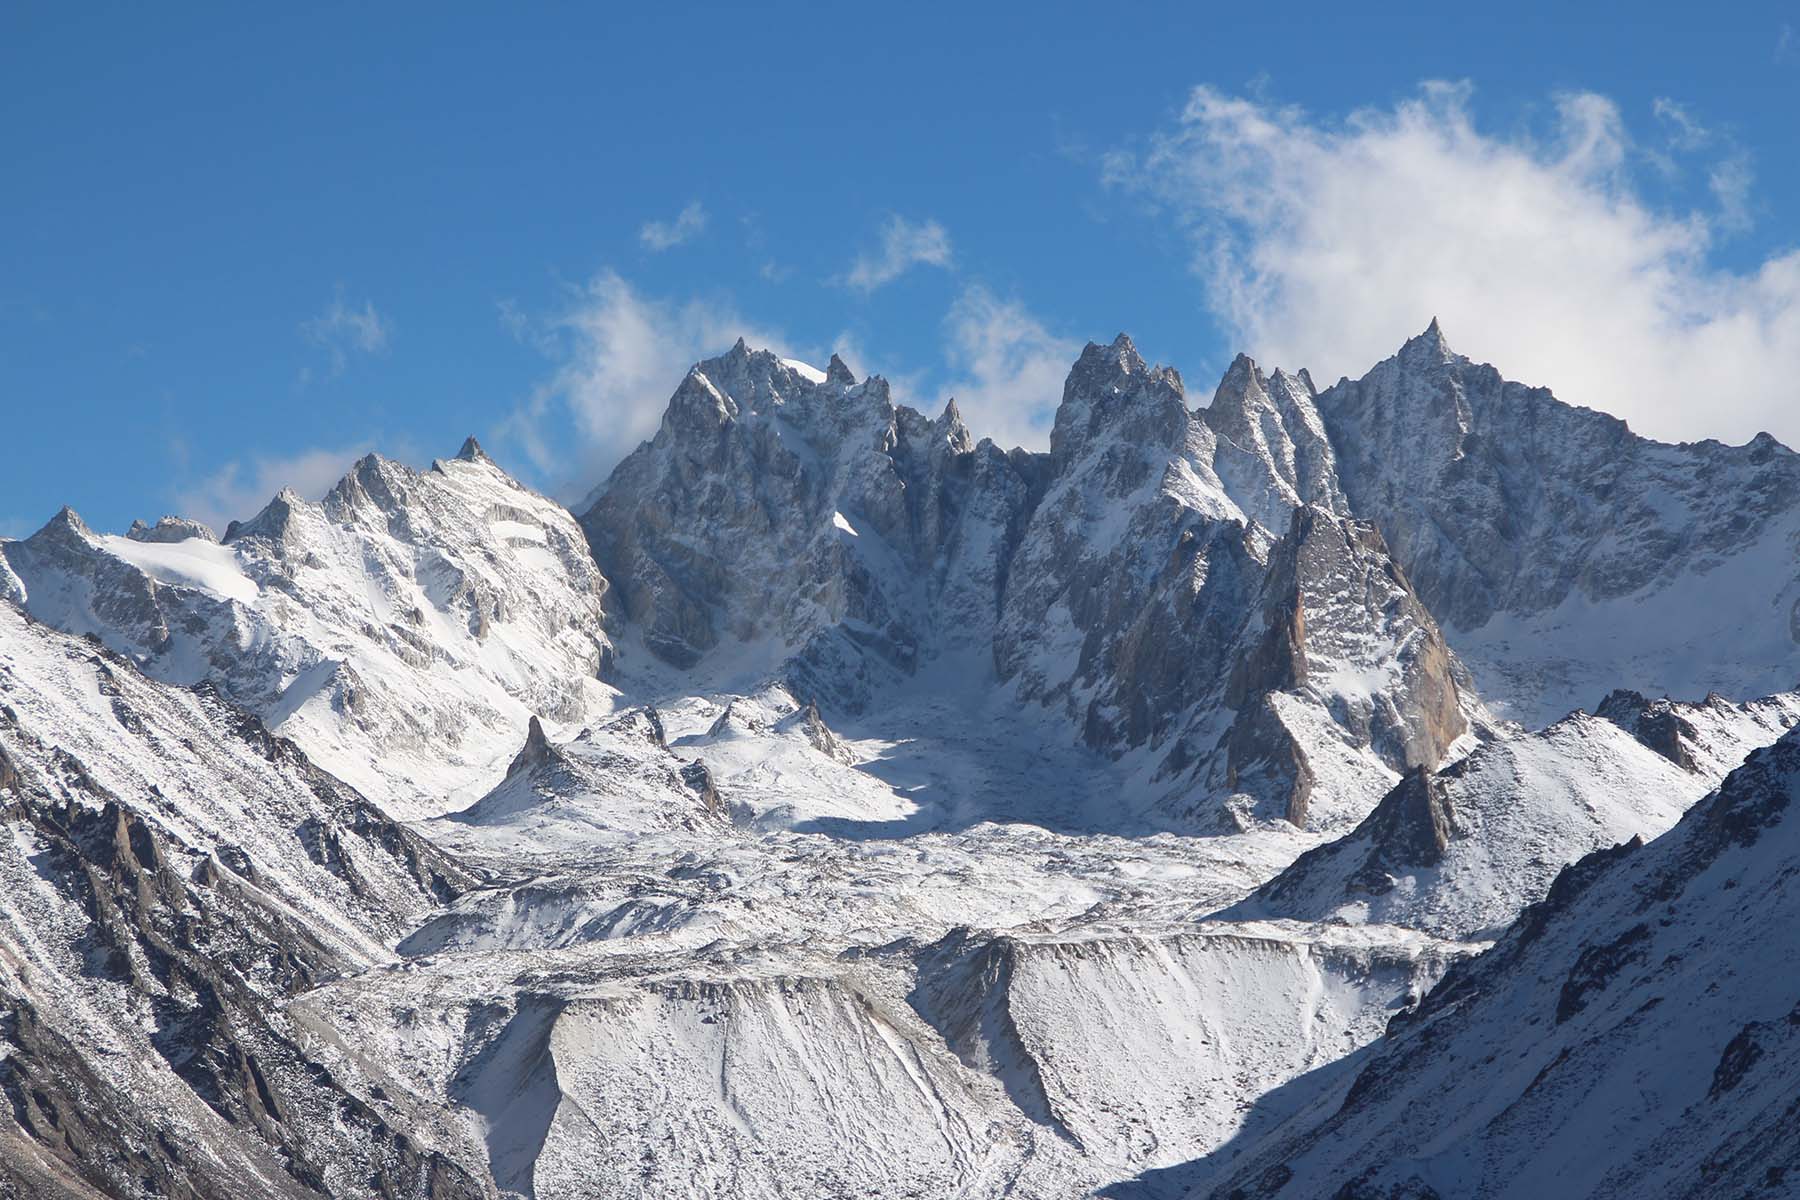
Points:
[403,630]
[843,805]
[1565,555]
[794,524]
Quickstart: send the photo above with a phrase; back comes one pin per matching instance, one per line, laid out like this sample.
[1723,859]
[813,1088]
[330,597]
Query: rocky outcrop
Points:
[818,734]
[170,529]
[1656,723]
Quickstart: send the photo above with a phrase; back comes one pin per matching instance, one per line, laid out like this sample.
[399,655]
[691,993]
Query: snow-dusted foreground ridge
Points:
[842,805]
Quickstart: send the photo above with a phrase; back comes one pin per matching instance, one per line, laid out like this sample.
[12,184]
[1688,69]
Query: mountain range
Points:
[1376,791]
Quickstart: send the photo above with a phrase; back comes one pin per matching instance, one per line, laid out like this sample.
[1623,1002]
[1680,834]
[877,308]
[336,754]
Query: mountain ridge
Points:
[841,801]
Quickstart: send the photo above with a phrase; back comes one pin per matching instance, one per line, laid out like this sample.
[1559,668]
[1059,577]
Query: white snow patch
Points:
[806,371]
[195,563]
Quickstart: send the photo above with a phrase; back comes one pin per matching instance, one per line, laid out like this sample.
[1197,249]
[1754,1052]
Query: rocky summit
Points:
[1377,791]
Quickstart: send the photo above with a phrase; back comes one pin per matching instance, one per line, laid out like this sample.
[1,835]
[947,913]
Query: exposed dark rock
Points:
[1596,967]
[1656,723]
[700,780]
[213,965]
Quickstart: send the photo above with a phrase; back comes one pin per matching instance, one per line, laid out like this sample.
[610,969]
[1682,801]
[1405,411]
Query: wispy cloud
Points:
[1731,182]
[619,355]
[689,223]
[1784,44]
[904,245]
[344,329]
[1325,244]
[1685,131]
[1007,368]
[241,488]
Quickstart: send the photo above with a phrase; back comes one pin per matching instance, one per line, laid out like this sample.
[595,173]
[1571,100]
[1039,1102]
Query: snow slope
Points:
[1460,853]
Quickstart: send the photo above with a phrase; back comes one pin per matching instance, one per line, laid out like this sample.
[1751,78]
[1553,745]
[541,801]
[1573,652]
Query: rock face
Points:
[1272,451]
[402,630]
[842,537]
[1565,554]
[1144,602]
[1631,1035]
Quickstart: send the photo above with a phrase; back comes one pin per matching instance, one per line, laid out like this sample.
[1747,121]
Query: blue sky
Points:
[236,250]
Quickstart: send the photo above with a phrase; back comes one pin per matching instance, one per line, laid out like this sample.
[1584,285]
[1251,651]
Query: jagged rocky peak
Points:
[806,511]
[272,523]
[745,384]
[1207,599]
[1113,392]
[472,452]
[1603,551]
[950,431]
[1656,723]
[807,721]
[65,527]
[1410,828]
[372,482]
[536,752]
[170,529]
[1428,348]
[837,372]
[1273,451]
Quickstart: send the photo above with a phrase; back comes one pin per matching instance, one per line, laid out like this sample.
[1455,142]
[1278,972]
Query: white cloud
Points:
[241,488]
[344,329]
[1326,245]
[663,235]
[620,356]
[1685,132]
[1008,369]
[1784,43]
[1730,181]
[904,245]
